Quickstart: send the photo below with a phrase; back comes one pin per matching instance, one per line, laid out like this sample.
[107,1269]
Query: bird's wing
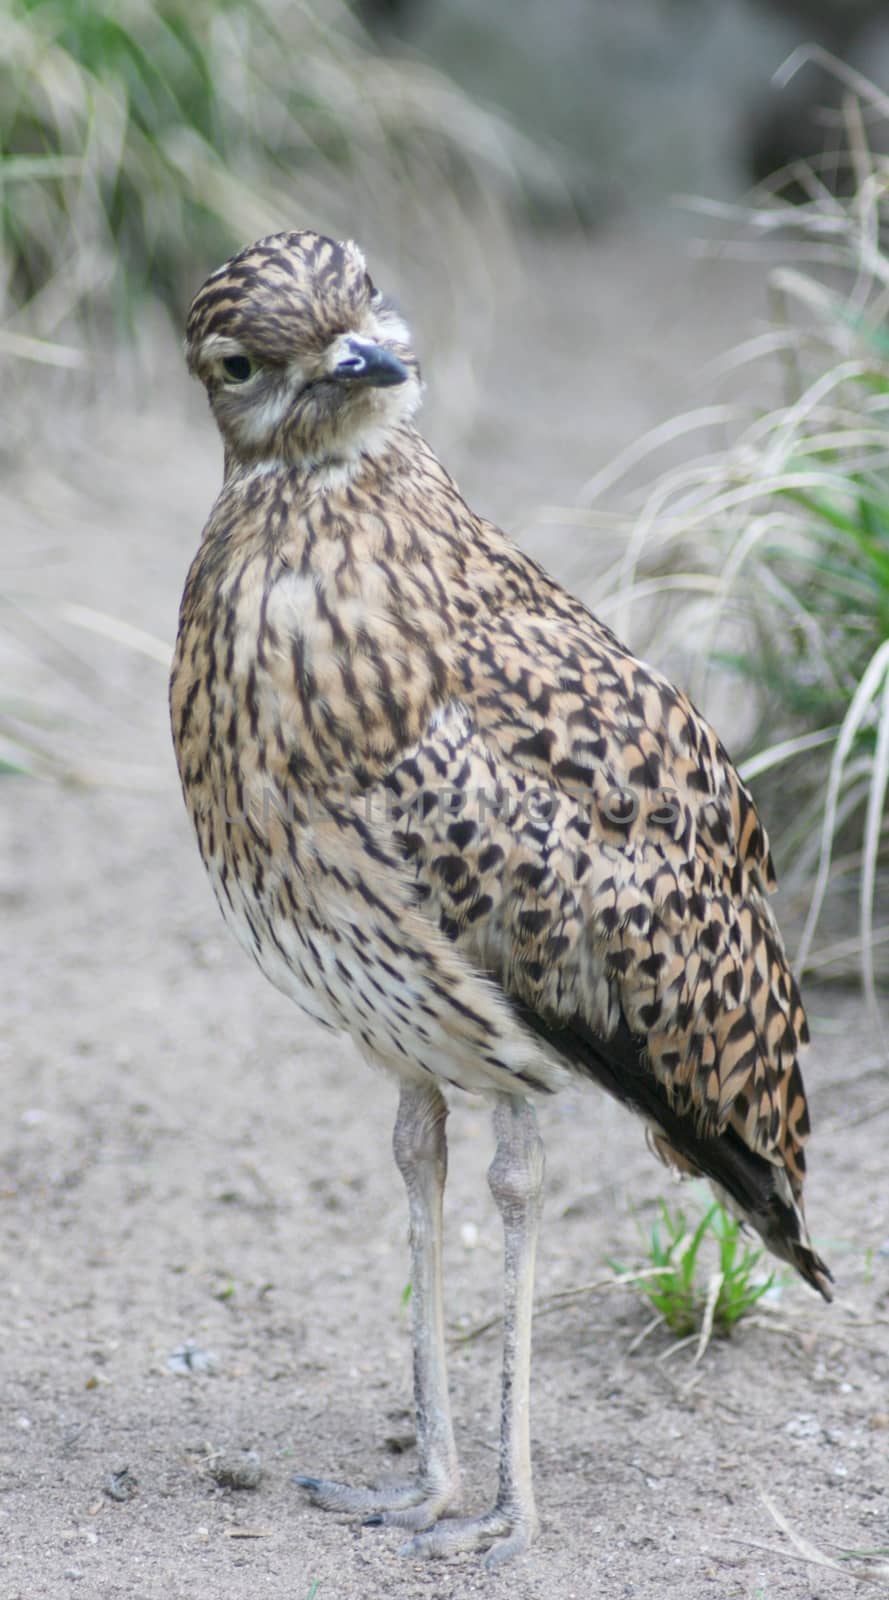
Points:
[576,828]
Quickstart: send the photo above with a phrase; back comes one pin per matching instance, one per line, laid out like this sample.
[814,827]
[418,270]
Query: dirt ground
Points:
[188,1166]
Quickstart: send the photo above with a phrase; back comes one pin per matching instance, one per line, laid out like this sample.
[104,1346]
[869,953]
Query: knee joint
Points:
[515,1176]
[419,1135]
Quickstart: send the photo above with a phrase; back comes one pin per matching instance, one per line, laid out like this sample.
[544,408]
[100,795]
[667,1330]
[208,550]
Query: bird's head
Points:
[303,360]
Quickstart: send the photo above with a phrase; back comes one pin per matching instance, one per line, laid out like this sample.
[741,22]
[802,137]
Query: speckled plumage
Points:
[440,803]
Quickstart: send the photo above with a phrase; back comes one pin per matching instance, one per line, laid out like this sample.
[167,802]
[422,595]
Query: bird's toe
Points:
[345,1497]
[413,1506]
[422,1514]
[501,1534]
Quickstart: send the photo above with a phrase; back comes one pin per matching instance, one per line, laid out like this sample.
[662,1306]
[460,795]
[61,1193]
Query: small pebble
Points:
[189,1357]
[236,1469]
[398,1443]
[804,1426]
[120,1484]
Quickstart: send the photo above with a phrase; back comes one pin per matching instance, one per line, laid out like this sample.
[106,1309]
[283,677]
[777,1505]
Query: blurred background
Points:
[643,246]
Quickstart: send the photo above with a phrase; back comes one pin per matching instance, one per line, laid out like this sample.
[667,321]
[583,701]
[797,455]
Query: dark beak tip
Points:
[389,380]
[371,364]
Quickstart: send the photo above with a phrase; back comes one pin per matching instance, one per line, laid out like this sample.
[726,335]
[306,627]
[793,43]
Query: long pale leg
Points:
[516,1180]
[420,1150]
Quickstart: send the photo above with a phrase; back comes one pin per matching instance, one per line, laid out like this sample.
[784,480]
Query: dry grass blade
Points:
[786,750]
[714,1289]
[115,628]
[560,1298]
[46,352]
[860,86]
[874,683]
[848,1564]
[873,828]
[840,950]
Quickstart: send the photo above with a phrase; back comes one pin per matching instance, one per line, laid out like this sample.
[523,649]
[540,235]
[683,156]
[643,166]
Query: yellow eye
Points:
[237,368]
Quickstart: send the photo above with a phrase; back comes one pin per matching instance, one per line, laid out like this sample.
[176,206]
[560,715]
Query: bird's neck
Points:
[384,466]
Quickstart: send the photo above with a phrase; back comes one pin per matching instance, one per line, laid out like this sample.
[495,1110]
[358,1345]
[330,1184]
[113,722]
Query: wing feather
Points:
[576,827]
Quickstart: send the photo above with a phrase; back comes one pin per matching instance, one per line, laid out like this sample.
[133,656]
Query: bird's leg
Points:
[421,1154]
[516,1180]
[420,1150]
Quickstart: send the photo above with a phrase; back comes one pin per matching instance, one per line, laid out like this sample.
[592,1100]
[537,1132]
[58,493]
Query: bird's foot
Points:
[502,1532]
[414,1506]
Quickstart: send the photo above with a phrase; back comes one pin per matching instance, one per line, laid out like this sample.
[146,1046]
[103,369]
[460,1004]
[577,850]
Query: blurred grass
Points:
[141,143]
[758,569]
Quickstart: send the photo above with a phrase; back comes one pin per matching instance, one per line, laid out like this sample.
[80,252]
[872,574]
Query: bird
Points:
[451,815]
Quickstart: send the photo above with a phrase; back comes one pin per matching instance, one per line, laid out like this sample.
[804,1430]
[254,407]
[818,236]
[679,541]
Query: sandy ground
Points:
[186,1159]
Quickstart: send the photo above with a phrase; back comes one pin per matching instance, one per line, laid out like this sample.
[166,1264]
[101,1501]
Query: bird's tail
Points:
[755,1189]
[782,1227]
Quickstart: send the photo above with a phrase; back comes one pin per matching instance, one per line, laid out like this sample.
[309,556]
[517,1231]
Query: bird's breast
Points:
[299,677]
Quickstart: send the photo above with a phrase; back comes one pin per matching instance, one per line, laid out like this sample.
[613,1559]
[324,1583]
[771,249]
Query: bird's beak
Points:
[361,361]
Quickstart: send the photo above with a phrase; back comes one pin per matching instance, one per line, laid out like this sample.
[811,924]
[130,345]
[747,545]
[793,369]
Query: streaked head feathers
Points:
[273,336]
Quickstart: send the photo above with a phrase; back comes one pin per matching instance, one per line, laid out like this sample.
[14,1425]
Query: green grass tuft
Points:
[687,1296]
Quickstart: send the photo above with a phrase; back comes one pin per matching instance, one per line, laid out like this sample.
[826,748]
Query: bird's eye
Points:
[237,368]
